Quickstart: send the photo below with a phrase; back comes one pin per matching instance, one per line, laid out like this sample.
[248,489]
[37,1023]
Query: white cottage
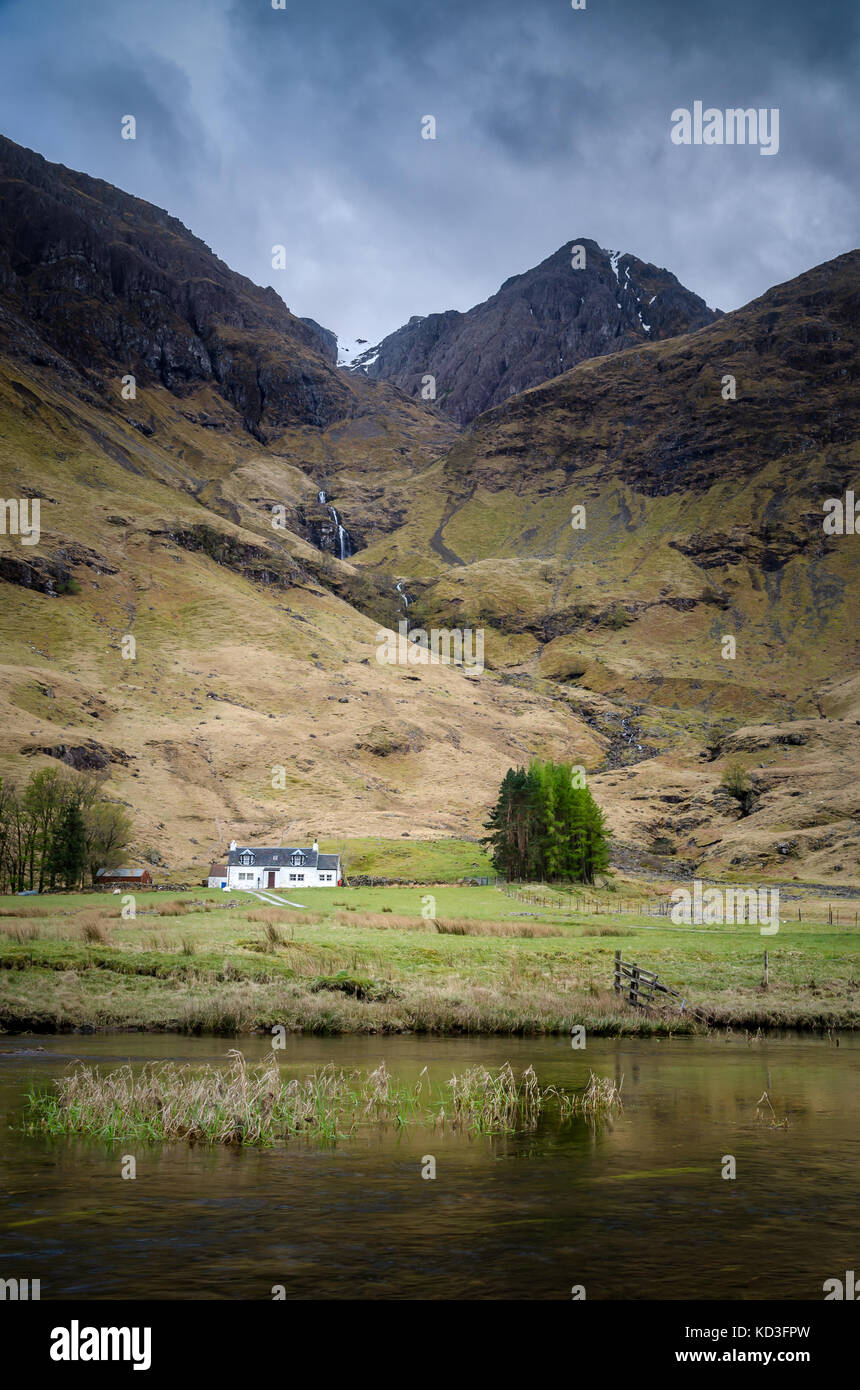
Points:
[281,868]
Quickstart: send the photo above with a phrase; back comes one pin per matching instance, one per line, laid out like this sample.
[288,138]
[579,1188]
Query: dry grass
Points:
[467,926]
[94,926]
[607,931]
[242,1105]
[488,1102]
[22,931]
[286,917]
[156,941]
[384,922]
[768,1116]
[180,907]
[36,910]
[454,926]
[273,937]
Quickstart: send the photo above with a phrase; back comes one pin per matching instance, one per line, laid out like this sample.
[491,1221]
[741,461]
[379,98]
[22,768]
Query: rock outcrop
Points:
[538,325]
[119,287]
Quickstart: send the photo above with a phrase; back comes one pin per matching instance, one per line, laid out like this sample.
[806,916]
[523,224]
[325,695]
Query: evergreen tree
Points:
[595,841]
[68,850]
[544,827]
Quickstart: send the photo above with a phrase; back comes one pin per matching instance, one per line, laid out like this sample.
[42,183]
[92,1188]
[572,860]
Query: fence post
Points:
[634,985]
[764,981]
[617,972]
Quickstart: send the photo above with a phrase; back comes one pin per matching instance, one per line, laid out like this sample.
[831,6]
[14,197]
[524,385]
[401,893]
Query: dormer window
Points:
[297,858]
[246,857]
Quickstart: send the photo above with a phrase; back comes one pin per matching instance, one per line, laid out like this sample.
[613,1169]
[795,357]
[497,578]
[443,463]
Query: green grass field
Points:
[367,960]
[416,861]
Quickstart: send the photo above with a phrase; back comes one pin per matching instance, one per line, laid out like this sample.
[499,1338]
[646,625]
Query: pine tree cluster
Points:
[546,826]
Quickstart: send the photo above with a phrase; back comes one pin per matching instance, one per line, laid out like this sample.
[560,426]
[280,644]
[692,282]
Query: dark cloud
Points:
[258,127]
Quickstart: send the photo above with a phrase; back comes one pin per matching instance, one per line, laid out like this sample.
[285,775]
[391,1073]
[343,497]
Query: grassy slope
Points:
[341,967]
[231,677]
[619,613]
[646,442]
[411,860]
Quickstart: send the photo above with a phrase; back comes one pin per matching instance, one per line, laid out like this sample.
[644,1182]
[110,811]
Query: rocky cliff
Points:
[117,286]
[538,325]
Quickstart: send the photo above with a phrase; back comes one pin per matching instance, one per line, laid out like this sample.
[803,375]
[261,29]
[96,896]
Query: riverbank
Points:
[367,961]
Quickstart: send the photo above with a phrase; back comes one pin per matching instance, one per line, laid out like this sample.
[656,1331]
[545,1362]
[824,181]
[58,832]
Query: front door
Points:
[271,882]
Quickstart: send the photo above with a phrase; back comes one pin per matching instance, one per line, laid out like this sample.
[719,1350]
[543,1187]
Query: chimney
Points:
[233,845]
[316,847]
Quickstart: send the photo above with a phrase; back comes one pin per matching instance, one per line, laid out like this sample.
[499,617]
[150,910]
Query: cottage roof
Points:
[280,857]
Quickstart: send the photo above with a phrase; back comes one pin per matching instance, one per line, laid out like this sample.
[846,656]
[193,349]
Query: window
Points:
[241,875]
[300,877]
[246,857]
[292,878]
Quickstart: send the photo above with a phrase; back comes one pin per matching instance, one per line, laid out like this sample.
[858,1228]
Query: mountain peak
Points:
[538,324]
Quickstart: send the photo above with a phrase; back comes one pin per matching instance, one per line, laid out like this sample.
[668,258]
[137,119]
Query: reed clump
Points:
[273,937]
[486,1102]
[469,926]
[284,917]
[455,926]
[94,926]
[385,922]
[35,910]
[607,931]
[22,931]
[180,907]
[245,1105]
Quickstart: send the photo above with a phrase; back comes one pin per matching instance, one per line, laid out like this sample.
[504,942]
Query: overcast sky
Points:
[302,126]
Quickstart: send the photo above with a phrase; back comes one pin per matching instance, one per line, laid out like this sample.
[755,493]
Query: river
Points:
[632,1207]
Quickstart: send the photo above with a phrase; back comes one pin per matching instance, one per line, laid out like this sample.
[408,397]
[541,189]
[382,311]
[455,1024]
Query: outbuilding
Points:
[123,878]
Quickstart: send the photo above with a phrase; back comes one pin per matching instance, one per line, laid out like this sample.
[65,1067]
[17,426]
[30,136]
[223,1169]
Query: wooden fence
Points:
[544,896]
[641,986]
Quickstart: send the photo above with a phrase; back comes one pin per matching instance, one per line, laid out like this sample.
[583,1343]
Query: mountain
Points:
[99,286]
[189,519]
[254,644]
[537,325]
[703,519]
[116,285]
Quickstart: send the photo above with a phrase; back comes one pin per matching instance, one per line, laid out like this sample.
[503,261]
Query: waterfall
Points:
[344,540]
[406,602]
[345,547]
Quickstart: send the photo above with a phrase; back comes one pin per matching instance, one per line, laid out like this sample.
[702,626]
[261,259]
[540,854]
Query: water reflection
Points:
[631,1207]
